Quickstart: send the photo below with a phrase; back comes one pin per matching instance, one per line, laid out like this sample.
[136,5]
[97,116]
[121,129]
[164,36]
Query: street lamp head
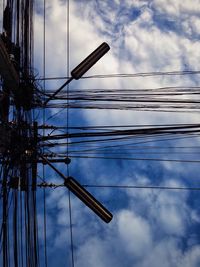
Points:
[88,199]
[89,61]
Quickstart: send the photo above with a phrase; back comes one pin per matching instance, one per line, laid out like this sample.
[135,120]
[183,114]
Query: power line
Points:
[71,230]
[145,187]
[159,187]
[129,75]
[136,159]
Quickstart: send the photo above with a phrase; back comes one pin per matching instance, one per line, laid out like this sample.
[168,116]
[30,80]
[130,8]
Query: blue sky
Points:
[150,227]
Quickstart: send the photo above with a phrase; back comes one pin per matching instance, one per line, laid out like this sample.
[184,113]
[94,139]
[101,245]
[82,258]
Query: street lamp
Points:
[70,182]
[83,67]
[88,199]
[82,194]
[89,61]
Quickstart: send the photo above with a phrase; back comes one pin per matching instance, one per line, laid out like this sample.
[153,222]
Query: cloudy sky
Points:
[150,227]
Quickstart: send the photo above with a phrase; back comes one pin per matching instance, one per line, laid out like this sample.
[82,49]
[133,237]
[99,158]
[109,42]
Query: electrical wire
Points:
[165,99]
[68,92]
[71,230]
[159,187]
[129,75]
[144,187]
[44,116]
[168,99]
[136,159]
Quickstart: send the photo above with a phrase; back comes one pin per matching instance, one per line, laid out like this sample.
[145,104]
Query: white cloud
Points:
[191,258]
[151,225]
[164,253]
[131,241]
[190,26]
[134,232]
[176,8]
[98,253]
[171,220]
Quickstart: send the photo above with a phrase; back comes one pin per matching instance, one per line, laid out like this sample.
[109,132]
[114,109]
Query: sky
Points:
[150,227]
